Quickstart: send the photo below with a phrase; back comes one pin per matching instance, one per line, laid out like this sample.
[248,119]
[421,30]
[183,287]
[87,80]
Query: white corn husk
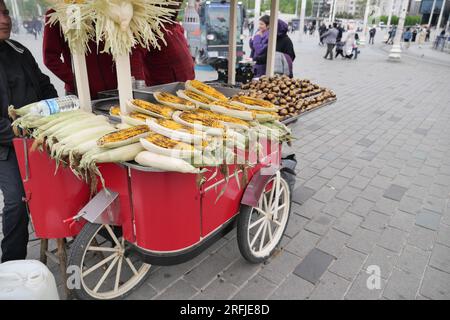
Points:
[165,163]
[175,153]
[208,130]
[243,115]
[175,134]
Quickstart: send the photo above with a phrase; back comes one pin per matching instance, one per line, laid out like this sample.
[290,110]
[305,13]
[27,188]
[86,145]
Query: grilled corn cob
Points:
[174,101]
[151,108]
[201,118]
[204,90]
[123,137]
[254,103]
[223,118]
[168,147]
[114,111]
[196,98]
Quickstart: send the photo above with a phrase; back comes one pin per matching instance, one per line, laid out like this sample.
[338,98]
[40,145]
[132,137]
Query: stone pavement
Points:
[372,193]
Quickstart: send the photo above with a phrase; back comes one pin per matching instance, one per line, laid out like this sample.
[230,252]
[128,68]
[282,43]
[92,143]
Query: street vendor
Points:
[173,63]
[21,83]
[101,68]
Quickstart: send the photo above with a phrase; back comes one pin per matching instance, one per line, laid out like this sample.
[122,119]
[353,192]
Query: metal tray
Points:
[295,118]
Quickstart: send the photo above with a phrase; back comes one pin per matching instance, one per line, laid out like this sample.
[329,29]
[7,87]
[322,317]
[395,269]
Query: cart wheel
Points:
[260,229]
[108,271]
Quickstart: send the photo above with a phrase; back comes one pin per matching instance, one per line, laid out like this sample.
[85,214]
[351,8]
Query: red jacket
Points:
[172,63]
[100,66]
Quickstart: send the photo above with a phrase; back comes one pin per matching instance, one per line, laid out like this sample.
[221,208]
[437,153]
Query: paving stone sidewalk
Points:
[372,194]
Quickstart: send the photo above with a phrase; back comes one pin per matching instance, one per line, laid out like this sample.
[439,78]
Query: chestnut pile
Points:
[292,96]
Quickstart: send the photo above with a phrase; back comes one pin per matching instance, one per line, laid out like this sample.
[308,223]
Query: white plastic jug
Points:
[27,280]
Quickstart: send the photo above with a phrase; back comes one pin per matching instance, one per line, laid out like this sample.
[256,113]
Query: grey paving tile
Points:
[348,194]
[440,258]
[359,182]
[311,208]
[315,183]
[360,290]
[240,272]
[375,221]
[293,288]
[333,242]
[383,259]
[338,182]
[403,221]
[180,290]
[395,192]
[348,223]
[348,264]
[330,287]
[365,142]
[434,204]
[325,194]
[363,240]
[219,289]
[422,238]
[436,285]
[279,267]
[320,224]
[367,155]
[361,207]
[444,235]
[303,243]
[392,239]
[258,288]
[413,260]
[428,219]
[386,206]
[410,205]
[295,225]
[207,270]
[313,266]
[401,286]
[302,194]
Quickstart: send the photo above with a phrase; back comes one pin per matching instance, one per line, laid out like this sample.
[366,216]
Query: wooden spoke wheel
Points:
[260,229]
[107,269]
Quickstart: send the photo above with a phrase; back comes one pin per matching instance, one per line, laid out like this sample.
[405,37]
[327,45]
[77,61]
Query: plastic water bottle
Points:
[51,106]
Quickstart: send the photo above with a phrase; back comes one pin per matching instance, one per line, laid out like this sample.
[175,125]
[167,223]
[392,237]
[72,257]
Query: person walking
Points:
[329,38]
[258,44]
[421,37]
[322,30]
[285,54]
[340,49]
[427,37]
[407,36]
[21,83]
[372,33]
[350,43]
[414,35]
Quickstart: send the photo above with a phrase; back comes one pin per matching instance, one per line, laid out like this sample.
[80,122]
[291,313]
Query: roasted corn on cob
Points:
[205,90]
[174,101]
[123,137]
[152,109]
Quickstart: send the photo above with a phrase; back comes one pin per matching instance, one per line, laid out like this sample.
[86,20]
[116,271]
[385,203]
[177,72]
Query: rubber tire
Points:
[242,235]
[76,255]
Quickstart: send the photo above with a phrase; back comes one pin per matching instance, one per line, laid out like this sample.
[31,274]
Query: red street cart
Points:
[148,217]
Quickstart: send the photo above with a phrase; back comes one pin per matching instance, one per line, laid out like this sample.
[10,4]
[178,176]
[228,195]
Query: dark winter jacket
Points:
[27,85]
[284,44]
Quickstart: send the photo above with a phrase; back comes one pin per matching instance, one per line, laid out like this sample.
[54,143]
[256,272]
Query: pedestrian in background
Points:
[407,36]
[414,35]
[427,37]
[421,37]
[322,30]
[372,33]
[349,42]
[258,44]
[285,54]
[340,49]
[329,38]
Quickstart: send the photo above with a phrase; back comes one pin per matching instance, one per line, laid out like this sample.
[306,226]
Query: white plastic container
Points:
[27,280]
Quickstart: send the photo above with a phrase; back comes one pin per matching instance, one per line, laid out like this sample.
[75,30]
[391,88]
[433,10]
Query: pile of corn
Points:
[198,128]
